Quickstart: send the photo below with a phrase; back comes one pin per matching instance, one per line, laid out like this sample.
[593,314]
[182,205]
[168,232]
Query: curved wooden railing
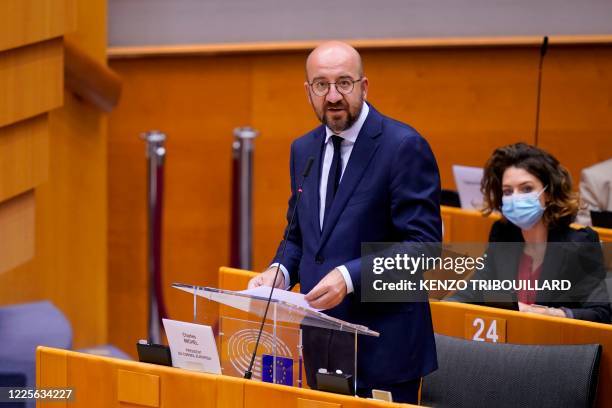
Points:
[89,79]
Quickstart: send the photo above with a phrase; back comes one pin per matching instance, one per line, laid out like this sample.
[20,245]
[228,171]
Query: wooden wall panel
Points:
[197,103]
[32,80]
[73,219]
[16,233]
[75,200]
[69,267]
[25,22]
[24,156]
[465,102]
[91,27]
[576,114]
[281,112]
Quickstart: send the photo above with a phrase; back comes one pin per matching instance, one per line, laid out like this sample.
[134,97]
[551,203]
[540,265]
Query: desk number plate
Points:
[485,328]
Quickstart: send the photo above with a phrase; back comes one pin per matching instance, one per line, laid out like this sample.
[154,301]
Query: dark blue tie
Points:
[333,178]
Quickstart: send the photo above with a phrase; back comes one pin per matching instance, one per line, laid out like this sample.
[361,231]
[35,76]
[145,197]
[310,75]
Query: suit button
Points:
[319,259]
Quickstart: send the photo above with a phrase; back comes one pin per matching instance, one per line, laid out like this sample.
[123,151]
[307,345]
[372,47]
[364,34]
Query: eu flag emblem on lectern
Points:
[284,369]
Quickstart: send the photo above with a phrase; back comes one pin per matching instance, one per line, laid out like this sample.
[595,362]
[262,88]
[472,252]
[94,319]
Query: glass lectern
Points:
[279,357]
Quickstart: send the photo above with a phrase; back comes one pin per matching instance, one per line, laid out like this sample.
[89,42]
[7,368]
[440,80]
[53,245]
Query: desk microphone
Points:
[543,49]
[249,372]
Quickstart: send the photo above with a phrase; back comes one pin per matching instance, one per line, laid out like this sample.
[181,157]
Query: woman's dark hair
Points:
[562,205]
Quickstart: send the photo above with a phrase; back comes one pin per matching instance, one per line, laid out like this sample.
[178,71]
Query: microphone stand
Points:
[249,372]
[543,50]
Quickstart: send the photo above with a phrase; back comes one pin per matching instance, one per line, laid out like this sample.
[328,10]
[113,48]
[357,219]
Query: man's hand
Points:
[544,310]
[267,277]
[329,292]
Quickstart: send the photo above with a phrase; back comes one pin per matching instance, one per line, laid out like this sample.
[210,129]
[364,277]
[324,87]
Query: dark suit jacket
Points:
[389,192]
[573,255]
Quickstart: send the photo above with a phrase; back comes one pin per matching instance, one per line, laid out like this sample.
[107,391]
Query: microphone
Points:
[543,49]
[544,46]
[249,372]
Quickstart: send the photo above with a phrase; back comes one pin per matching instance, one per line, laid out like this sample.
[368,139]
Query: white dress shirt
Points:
[349,137]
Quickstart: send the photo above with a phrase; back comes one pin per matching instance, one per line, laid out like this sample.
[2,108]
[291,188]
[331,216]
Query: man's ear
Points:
[364,87]
[307,89]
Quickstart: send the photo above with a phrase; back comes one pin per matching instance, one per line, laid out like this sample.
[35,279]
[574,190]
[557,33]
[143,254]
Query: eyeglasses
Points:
[344,86]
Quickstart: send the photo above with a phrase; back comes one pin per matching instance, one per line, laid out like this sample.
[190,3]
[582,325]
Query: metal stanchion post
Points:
[242,196]
[155,153]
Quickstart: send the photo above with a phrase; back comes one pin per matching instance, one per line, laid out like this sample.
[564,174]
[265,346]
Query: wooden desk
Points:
[107,382]
[471,226]
[465,225]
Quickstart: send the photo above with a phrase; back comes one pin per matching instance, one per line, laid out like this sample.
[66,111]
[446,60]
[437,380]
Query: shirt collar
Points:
[351,133]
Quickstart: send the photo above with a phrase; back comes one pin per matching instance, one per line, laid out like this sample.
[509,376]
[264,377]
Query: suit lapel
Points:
[554,258]
[363,151]
[313,190]
[509,258]
[508,249]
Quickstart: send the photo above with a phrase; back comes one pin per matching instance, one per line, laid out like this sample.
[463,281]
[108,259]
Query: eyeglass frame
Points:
[353,81]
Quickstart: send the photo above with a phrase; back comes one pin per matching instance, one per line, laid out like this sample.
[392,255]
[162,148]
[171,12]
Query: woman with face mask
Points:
[534,241]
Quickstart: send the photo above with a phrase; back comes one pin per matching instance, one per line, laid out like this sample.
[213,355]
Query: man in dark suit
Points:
[373,179]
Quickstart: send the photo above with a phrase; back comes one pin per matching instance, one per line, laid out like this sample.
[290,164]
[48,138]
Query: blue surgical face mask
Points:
[523,210]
